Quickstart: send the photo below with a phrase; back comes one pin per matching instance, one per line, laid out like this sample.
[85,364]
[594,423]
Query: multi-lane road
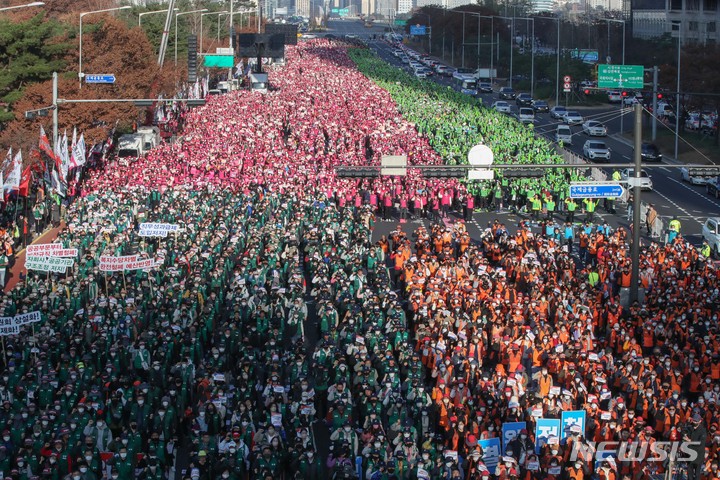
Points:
[670,196]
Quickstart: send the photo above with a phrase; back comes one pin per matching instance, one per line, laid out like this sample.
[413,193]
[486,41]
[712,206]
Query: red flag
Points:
[45,144]
[25,182]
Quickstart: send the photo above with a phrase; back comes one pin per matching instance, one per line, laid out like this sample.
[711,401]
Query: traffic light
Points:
[586,91]
[659,96]
[357,172]
[624,94]
[524,173]
[444,172]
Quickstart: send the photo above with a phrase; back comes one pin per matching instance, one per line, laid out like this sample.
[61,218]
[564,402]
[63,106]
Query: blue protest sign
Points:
[545,428]
[572,418]
[510,431]
[491,452]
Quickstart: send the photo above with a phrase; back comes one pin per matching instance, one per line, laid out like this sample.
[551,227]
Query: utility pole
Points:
[654,102]
[635,251]
[166,32]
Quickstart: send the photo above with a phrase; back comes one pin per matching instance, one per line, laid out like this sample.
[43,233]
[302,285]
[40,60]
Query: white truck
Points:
[485,74]
[134,145]
[259,82]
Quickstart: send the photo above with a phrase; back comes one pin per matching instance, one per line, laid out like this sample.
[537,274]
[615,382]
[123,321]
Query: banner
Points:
[575,420]
[129,262]
[115,264]
[48,264]
[510,431]
[11,325]
[544,429]
[50,250]
[156,229]
[12,177]
[25,318]
[79,151]
[491,452]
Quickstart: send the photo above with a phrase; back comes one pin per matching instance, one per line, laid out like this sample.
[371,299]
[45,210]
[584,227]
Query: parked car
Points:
[540,106]
[645,180]
[686,175]
[558,112]
[485,87]
[564,134]
[594,128]
[650,152]
[526,115]
[501,106]
[524,100]
[573,118]
[711,234]
[507,93]
[596,150]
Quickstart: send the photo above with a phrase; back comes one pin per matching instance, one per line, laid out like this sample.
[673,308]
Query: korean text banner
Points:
[491,452]
[574,419]
[510,431]
[544,429]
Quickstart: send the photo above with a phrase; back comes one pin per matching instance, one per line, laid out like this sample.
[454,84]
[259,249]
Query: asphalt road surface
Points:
[670,196]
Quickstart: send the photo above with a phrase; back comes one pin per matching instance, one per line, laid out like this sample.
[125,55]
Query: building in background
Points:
[540,6]
[302,8]
[697,19]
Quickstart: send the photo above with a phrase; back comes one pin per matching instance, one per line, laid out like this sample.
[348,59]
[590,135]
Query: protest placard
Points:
[156,229]
[48,264]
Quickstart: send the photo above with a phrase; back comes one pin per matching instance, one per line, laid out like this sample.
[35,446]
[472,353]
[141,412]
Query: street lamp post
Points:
[142,14]
[677,98]
[201,26]
[429,31]
[176,26]
[27,5]
[622,102]
[80,72]
[492,28]
[532,50]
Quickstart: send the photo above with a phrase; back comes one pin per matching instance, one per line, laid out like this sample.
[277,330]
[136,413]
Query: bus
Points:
[465,83]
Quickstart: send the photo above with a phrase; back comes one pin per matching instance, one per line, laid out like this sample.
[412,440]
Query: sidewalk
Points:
[12,276]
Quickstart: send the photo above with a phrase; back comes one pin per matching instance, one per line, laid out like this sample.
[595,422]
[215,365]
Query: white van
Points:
[564,134]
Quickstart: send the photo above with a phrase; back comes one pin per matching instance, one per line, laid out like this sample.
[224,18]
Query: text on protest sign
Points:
[156,229]
[48,264]
[11,325]
[128,262]
[50,250]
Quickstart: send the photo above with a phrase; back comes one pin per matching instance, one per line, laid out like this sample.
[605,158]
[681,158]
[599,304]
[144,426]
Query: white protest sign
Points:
[128,262]
[50,250]
[11,325]
[48,264]
[156,229]
[115,264]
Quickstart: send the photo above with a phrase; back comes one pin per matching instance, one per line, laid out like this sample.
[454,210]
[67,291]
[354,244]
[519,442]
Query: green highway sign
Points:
[621,76]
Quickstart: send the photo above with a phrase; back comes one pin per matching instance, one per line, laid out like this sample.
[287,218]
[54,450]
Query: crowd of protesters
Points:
[272,319]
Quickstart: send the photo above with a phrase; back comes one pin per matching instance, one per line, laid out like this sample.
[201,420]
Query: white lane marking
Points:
[625,156]
[706,197]
[664,169]
[678,207]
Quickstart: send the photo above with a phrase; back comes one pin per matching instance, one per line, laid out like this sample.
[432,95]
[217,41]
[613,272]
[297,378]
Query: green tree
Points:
[30,51]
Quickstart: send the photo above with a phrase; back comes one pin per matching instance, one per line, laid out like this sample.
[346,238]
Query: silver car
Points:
[501,106]
[573,118]
[596,150]
[594,128]
[628,176]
